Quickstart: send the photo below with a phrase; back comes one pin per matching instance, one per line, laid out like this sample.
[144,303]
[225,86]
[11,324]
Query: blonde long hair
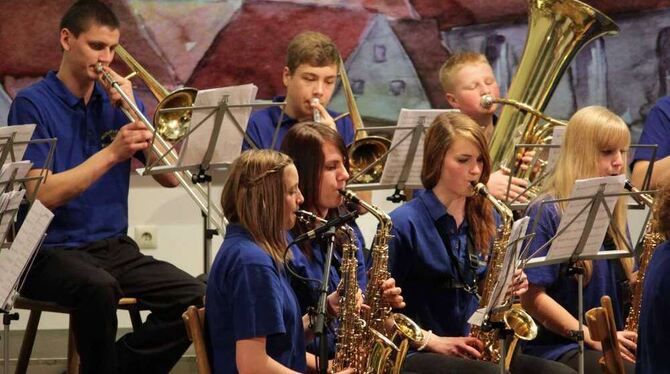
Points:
[591,130]
[253,196]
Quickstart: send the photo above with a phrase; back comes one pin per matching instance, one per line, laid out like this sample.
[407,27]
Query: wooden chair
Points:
[194,319]
[36,308]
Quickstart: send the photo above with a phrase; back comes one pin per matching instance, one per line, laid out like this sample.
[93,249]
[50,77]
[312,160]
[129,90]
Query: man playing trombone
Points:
[87,262]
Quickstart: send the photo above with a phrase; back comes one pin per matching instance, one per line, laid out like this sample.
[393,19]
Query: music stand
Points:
[403,160]
[582,229]
[16,257]
[219,116]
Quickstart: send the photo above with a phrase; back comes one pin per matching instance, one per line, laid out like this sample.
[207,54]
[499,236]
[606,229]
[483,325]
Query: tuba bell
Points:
[365,150]
[557,30]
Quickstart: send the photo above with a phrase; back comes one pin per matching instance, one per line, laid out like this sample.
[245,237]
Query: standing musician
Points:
[654,328]
[253,318]
[466,77]
[320,157]
[595,145]
[310,73]
[87,261]
[439,240]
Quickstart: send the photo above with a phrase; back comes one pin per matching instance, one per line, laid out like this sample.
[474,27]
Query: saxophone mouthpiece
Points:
[628,185]
[480,188]
[307,217]
[486,101]
[349,195]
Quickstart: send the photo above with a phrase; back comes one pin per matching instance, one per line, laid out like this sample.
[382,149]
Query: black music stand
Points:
[402,162]
[219,115]
[16,257]
[587,210]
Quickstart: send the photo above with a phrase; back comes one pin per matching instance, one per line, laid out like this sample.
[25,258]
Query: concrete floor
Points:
[50,352]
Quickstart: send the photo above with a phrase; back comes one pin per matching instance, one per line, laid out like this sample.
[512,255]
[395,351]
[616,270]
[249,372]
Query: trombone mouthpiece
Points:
[315,112]
[98,68]
[486,101]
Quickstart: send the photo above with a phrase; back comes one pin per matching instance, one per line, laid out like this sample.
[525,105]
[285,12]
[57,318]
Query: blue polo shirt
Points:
[308,293]
[656,131]
[654,331]
[102,210]
[262,125]
[422,267]
[563,288]
[248,296]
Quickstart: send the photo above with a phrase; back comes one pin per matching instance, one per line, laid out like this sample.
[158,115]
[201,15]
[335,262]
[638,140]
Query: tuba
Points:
[557,30]
[515,318]
[365,150]
[652,238]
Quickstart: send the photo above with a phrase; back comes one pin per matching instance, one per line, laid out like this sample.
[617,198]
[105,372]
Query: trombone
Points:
[133,112]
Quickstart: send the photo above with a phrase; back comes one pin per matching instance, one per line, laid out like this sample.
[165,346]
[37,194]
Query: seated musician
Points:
[656,131]
[87,261]
[465,78]
[310,73]
[653,336]
[438,242]
[595,145]
[253,319]
[320,158]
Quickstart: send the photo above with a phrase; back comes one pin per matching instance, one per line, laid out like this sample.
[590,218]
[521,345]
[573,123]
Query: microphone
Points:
[335,222]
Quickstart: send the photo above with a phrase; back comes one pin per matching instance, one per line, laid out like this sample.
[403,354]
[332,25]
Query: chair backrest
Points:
[194,319]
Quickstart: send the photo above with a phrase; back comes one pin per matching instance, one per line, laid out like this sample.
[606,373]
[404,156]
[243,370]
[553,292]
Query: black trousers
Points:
[436,363]
[591,357]
[93,278]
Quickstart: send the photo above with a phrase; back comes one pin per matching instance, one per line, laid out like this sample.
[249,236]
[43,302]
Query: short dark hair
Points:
[313,48]
[83,13]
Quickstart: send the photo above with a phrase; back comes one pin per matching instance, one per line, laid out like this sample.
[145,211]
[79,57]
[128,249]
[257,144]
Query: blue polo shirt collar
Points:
[433,205]
[63,93]
[276,111]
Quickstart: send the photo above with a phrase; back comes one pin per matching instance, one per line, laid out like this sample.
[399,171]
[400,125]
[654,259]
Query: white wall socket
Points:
[146,237]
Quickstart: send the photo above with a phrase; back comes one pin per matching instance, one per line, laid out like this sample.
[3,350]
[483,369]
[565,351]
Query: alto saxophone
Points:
[348,346]
[515,318]
[652,238]
[386,350]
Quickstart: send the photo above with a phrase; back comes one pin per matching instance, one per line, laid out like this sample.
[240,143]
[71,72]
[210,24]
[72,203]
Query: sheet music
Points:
[556,139]
[22,168]
[9,205]
[229,143]
[565,247]
[395,161]
[14,261]
[23,133]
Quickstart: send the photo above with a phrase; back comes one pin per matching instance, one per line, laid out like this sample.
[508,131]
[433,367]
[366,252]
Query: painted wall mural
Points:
[393,48]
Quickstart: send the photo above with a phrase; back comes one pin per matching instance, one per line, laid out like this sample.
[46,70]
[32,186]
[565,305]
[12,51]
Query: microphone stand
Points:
[319,325]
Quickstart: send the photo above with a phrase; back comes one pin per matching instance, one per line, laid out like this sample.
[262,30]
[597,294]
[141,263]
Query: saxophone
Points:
[348,346]
[652,238]
[515,318]
[384,355]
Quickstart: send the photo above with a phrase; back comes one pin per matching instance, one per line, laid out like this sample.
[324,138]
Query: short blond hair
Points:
[454,63]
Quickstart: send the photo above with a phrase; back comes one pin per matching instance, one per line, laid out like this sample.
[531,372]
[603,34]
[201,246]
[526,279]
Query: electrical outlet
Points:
[146,237]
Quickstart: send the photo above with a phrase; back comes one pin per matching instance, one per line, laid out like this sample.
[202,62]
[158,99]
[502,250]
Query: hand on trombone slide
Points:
[124,82]
[130,139]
